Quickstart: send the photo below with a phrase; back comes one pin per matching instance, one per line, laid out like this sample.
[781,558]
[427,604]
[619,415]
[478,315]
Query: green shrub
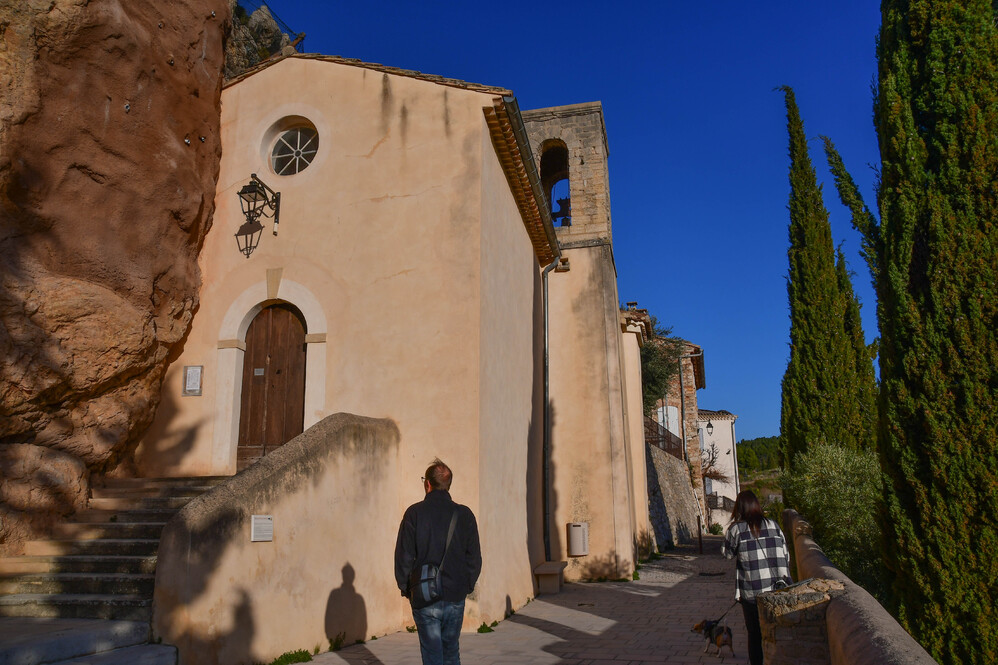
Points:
[299,656]
[484,628]
[715,529]
[336,643]
[838,491]
[774,511]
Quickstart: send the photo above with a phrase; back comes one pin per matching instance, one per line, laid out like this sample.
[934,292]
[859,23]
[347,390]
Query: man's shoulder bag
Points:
[425,583]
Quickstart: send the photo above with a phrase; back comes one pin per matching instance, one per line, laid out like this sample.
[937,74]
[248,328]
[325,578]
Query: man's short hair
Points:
[439,475]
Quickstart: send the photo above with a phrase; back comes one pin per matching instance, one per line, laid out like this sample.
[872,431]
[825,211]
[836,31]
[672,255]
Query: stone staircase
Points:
[99,566]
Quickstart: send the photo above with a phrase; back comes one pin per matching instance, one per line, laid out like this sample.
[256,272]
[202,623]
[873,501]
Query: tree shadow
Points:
[165,444]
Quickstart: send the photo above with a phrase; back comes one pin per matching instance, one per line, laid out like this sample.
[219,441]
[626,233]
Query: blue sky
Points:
[698,142]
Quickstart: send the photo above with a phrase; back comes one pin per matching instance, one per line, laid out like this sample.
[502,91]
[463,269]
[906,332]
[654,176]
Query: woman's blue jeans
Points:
[439,628]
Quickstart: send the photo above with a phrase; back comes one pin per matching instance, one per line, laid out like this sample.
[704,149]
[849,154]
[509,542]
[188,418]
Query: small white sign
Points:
[262,529]
[192,379]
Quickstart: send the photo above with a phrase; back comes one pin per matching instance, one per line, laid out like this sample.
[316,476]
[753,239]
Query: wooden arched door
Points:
[272,410]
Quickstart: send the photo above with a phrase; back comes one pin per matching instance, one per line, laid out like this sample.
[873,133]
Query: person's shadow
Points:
[346,614]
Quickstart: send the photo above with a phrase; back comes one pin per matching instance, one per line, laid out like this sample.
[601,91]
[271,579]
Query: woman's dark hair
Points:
[747,509]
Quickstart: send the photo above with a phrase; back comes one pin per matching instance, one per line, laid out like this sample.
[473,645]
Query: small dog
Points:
[714,633]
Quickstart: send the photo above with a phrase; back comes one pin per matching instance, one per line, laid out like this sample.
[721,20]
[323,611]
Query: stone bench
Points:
[550,576]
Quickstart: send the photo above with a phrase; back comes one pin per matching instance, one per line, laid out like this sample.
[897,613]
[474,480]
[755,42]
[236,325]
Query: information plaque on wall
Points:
[192,380]
[262,529]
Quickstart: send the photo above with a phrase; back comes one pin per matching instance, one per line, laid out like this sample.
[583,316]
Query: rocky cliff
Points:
[109,151]
[255,36]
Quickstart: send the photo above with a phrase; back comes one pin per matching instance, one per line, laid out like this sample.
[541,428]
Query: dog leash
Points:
[726,611]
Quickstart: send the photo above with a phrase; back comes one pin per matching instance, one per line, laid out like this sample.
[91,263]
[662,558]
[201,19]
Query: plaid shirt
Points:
[762,561]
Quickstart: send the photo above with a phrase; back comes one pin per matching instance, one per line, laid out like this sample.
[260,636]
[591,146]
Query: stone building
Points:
[342,271]
[717,429]
[403,279]
[677,412]
[592,396]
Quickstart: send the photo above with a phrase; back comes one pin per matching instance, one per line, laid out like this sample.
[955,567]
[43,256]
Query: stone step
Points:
[78,583]
[105,530]
[103,546]
[142,503]
[32,641]
[119,483]
[189,491]
[77,606]
[121,516]
[147,654]
[81,563]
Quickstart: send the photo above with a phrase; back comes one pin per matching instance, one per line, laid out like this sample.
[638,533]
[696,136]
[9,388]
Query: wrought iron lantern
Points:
[256,199]
[710,428]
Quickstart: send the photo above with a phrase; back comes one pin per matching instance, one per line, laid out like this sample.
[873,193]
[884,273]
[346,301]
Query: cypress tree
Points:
[937,120]
[864,380]
[818,401]
[934,258]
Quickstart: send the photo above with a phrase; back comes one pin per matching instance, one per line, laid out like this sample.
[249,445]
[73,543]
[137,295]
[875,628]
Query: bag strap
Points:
[450,534]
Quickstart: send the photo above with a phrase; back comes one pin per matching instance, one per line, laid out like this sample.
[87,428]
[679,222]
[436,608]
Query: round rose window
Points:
[294,151]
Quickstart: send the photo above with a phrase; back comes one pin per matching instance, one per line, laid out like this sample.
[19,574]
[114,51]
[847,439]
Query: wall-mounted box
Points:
[578,538]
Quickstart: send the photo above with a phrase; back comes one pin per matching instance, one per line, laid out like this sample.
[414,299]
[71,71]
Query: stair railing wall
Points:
[324,576]
[860,630]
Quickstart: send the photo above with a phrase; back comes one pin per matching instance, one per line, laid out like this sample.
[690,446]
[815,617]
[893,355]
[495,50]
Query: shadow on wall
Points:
[346,614]
[671,506]
[165,445]
[559,549]
[346,621]
[658,512]
[644,544]
[535,445]
[310,481]
[602,568]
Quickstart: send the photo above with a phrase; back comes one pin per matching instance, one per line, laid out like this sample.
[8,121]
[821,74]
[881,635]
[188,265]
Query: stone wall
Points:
[793,623]
[580,128]
[671,505]
[109,153]
[860,631]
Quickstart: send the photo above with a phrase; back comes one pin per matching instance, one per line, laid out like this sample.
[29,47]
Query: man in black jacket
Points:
[423,539]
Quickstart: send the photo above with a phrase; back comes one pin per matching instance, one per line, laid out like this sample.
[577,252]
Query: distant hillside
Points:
[760,454]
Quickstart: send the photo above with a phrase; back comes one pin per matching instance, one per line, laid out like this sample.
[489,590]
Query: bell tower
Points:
[569,143]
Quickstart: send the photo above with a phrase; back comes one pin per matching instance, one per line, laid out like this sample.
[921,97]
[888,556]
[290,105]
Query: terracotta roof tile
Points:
[353,62]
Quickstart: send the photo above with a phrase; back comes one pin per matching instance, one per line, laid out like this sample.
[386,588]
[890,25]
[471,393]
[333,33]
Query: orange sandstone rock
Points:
[109,151]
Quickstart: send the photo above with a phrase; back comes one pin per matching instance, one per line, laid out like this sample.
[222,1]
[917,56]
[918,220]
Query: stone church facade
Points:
[403,281]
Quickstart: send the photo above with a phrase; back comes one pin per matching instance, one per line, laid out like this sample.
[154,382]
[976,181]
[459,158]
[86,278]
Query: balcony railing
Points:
[661,438]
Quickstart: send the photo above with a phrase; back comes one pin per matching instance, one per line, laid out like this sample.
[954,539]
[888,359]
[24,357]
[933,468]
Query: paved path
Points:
[641,622]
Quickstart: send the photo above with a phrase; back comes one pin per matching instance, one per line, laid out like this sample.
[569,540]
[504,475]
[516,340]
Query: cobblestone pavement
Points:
[640,622]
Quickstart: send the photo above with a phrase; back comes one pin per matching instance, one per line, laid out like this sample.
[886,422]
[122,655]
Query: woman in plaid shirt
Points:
[763,560]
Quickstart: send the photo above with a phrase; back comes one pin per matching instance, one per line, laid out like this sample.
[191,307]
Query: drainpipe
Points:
[546,465]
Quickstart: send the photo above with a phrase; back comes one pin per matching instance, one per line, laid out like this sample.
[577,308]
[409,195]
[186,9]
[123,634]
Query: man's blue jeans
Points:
[439,627]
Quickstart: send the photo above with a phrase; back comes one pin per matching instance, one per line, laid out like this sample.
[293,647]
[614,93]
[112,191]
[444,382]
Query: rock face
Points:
[109,151]
[254,37]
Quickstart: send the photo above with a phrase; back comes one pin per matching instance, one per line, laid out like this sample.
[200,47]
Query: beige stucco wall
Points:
[634,414]
[404,250]
[588,439]
[221,598]
[511,399]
